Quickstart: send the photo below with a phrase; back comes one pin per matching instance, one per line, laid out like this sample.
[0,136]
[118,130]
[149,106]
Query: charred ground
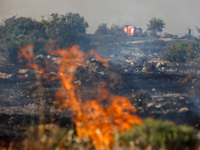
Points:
[157,88]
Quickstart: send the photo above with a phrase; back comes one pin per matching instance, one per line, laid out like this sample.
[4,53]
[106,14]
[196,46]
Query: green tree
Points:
[102,29]
[155,25]
[66,29]
[18,32]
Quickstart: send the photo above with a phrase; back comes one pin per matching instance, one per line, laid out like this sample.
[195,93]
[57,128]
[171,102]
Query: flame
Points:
[91,117]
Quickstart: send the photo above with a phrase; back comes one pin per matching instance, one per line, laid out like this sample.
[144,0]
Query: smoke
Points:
[179,15]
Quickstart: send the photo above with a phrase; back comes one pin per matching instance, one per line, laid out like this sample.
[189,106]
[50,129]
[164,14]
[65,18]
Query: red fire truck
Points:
[132,30]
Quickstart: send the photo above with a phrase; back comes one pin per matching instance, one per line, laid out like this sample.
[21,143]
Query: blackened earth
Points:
[157,89]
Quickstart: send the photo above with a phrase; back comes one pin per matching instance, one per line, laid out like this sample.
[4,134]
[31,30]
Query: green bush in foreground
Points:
[158,134]
[182,52]
[151,135]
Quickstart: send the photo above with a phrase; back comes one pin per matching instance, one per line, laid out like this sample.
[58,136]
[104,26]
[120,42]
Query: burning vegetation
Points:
[92,119]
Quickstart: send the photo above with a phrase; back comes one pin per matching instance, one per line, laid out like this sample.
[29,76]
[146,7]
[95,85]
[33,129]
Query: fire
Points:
[92,118]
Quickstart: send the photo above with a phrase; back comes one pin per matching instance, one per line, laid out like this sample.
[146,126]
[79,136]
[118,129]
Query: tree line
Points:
[66,30]
[70,29]
[154,27]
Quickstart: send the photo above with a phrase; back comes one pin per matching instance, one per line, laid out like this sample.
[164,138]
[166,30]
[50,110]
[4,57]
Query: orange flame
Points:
[92,119]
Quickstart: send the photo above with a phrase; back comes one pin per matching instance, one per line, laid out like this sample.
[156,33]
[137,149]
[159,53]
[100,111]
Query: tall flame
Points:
[91,117]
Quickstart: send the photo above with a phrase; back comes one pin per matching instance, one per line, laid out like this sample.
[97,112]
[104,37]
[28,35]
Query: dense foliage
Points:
[20,31]
[182,52]
[158,134]
[16,33]
[66,30]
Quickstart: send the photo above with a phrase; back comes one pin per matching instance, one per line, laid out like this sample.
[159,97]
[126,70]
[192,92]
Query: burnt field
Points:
[156,88]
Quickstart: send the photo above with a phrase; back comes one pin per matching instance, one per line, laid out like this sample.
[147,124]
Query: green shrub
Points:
[182,52]
[157,134]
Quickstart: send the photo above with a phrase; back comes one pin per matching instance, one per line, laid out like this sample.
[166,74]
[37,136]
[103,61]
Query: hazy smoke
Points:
[179,15]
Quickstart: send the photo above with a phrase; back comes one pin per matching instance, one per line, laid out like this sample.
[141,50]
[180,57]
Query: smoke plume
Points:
[179,15]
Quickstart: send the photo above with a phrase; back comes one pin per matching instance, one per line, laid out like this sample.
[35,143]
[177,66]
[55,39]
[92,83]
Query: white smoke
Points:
[179,15]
